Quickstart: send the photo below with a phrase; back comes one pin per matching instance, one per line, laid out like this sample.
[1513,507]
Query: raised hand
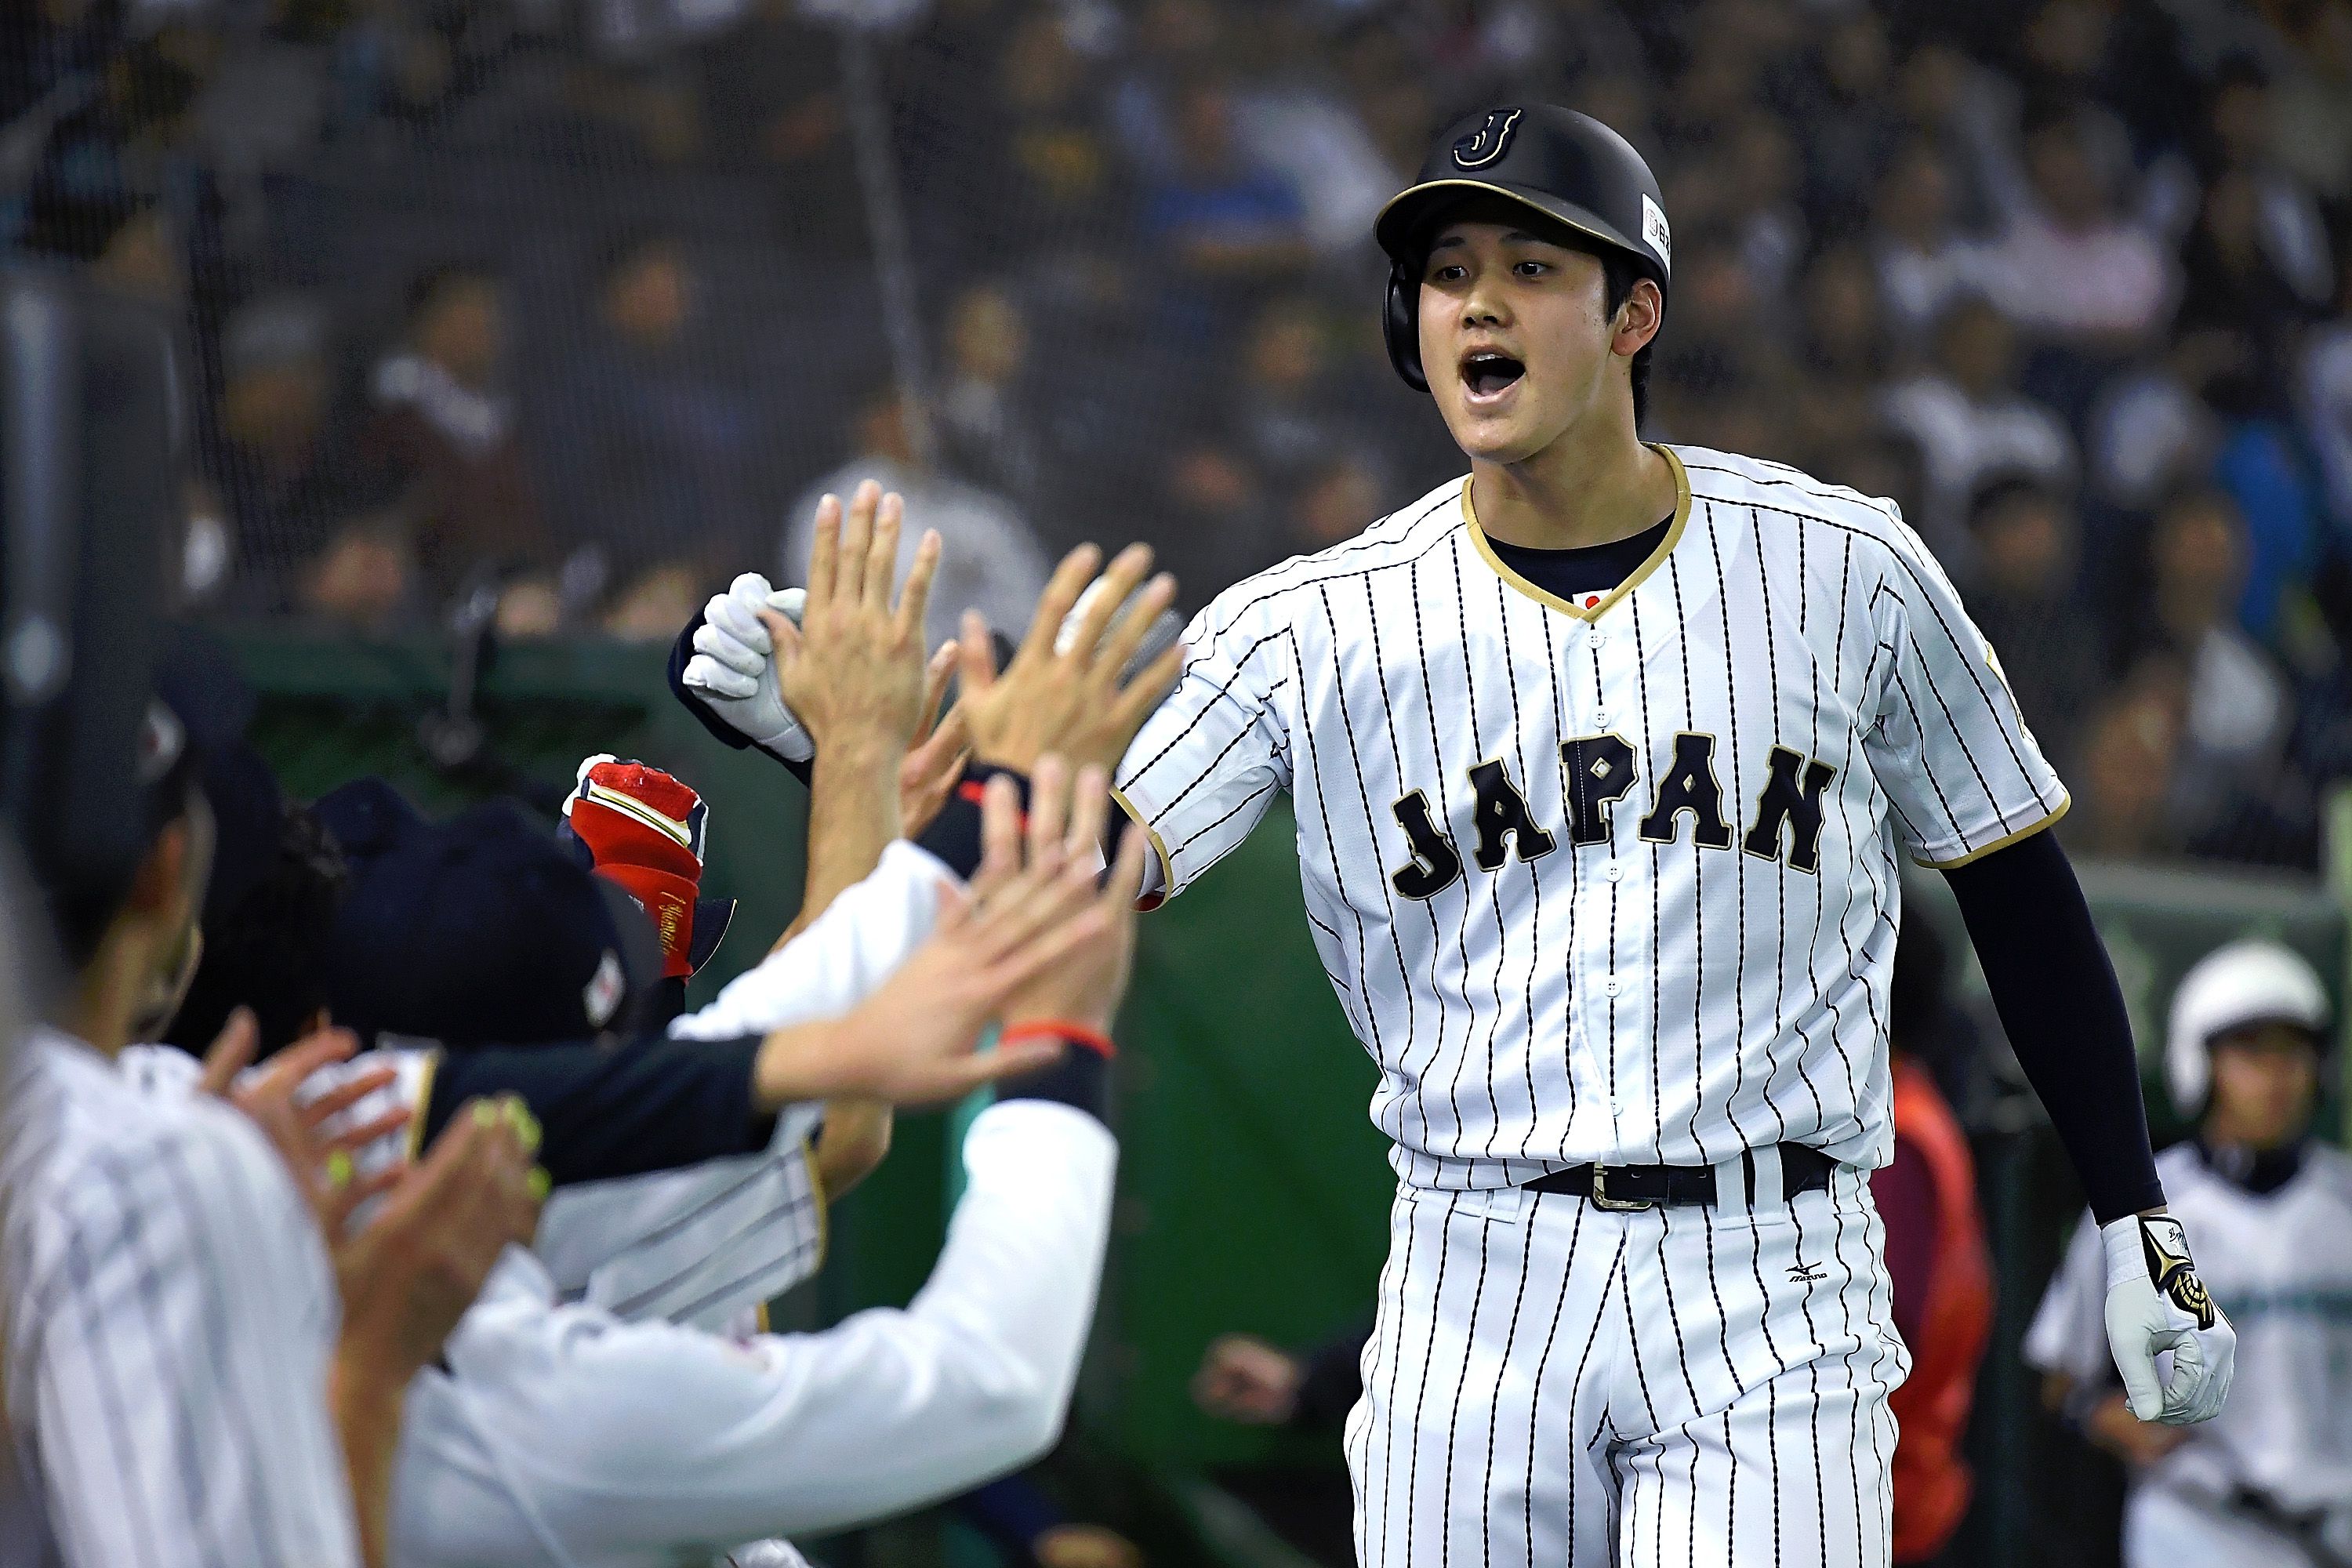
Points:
[1086,984]
[853,669]
[1064,690]
[932,766]
[1035,904]
[732,673]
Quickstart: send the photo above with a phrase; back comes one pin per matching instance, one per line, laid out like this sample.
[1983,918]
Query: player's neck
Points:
[1578,491]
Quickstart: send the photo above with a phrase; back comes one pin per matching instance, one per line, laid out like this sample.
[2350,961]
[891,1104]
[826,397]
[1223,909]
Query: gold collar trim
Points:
[1666,547]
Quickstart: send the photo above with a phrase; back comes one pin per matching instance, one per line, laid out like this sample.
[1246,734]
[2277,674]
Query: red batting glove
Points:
[644,829]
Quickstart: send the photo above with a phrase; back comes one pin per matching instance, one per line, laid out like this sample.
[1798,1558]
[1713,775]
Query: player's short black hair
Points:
[267,950]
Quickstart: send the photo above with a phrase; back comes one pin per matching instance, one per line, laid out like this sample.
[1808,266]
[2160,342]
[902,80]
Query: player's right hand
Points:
[2157,1303]
[733,668]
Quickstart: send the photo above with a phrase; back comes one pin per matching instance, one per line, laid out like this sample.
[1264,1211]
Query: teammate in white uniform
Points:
[2269,1483]
[170,1315]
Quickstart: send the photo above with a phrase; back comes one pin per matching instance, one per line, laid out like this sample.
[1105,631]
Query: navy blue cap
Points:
[367,817]
[249,823]
[478,930]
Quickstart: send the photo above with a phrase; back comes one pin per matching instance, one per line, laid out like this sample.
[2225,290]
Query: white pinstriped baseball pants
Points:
[1552,1382]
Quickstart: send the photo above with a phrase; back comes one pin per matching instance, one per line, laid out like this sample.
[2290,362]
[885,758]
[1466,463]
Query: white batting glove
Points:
[2156,1302]
[733,669]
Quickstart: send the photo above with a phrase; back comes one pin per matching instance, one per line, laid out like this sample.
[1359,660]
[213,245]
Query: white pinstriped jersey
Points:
[170,1314]
[1608,882]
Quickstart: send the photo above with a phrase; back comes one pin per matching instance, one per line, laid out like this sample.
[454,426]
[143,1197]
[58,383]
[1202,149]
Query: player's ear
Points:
[1638,318]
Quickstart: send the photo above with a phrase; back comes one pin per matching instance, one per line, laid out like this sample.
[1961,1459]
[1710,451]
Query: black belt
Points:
[1803,1169]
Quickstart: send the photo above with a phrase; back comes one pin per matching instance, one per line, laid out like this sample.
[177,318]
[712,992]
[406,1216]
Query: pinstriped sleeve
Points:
[1948,745]
[1206,764]
[179,1360]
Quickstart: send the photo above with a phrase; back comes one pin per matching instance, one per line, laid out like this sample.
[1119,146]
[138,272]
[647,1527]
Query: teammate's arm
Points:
[668,1438]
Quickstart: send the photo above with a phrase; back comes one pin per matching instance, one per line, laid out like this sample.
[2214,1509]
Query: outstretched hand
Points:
[853,670]
[1036,904]
[1065,689]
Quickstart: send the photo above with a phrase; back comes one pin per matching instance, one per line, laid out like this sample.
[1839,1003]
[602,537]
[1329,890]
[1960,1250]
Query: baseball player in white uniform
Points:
[170,1312]
[2268,1482]
[1601,760]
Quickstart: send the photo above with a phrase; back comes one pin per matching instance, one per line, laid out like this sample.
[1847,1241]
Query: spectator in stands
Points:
[2026,544]
[1284,413]
[1849,116]
[985,429]
[1841,351]
[2130,756]
[443,426]
[666,446]
[2151,430]
[1221,218]
[2324,383]
[1345,494]
[1218,518]
[2236,708]
[1766,224]
[1970,421]
[2070,269]
[991,561]
[1924,264]
[2266,471]
[2239,280]
[277,462]
[2310,129]
[2262,233]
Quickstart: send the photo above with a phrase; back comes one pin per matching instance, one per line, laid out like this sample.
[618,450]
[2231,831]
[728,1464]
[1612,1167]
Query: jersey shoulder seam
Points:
[1397,536]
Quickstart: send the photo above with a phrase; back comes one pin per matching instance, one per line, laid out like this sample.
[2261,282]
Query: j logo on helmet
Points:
[1486,143]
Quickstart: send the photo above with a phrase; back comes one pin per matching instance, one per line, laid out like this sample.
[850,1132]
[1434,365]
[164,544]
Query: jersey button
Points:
[1615,873]
[1599,638]
[1609,988]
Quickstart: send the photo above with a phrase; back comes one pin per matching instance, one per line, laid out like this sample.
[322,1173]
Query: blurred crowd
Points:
[569,300]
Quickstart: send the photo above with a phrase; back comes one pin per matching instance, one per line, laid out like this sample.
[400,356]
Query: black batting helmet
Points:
[1568,167]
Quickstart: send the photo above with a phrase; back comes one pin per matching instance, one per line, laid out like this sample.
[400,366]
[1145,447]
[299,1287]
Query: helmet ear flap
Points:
[1401,326]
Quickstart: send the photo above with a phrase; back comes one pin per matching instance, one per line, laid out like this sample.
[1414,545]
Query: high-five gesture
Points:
[853,670]
[1064,690]
[1036,906]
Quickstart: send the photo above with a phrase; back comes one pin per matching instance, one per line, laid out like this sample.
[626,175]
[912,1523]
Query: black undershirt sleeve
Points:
[2059,1002]
[651,1104]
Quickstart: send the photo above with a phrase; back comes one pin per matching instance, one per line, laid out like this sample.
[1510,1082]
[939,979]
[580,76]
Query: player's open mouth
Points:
[1486,375]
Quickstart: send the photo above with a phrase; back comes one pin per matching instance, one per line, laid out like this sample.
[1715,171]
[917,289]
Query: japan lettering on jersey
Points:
[1612,881]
